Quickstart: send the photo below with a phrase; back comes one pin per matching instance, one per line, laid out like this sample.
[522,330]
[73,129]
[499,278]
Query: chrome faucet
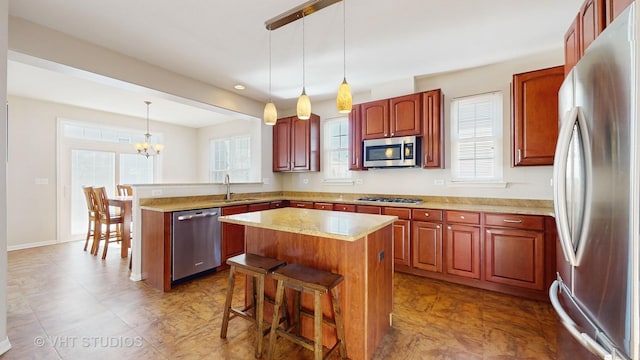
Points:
[226,181]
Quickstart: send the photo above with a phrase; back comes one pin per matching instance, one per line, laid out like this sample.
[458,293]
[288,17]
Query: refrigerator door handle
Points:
[583,338]
[560,183]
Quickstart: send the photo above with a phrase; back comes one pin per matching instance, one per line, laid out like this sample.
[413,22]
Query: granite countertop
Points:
[509,206]
[323,223]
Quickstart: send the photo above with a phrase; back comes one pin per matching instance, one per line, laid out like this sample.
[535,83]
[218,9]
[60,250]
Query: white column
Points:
[5,345]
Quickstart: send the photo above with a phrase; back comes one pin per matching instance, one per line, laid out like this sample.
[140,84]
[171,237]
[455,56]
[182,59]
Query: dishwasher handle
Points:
[199,215]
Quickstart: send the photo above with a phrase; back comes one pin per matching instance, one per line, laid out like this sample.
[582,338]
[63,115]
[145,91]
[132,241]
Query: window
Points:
[476,137]
[336,150]
[232,156]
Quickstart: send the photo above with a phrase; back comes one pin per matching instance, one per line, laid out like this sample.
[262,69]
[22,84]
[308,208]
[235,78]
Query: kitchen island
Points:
[358,246]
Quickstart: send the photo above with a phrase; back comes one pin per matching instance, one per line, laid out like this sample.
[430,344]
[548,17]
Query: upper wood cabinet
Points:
[296,144]
[592,21]
[572,46]
[613,8]
[535,116]
[355,139]
[399,116]
[432,129]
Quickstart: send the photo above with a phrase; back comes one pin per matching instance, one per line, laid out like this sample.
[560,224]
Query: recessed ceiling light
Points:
[238,87]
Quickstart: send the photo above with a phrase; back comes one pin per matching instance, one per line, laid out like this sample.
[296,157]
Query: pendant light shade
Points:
[344,100]
[270,114]
[303,108]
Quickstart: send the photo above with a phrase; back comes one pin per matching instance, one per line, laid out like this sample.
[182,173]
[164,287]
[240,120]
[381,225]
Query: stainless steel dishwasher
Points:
[196,245]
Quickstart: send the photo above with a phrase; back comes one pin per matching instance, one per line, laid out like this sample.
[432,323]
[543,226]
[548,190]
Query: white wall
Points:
[32,154]
[531,182]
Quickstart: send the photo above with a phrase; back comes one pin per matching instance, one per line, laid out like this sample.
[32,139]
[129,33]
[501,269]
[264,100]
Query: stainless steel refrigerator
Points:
[597,196]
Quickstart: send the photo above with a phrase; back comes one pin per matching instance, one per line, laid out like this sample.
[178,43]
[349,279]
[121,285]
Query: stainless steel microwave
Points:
[392,152]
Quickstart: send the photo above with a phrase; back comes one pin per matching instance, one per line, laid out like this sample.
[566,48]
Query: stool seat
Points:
[257,268]
[255,263]
[316,282]
[308,277]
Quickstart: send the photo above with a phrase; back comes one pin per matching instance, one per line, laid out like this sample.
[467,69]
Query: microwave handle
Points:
[402,151]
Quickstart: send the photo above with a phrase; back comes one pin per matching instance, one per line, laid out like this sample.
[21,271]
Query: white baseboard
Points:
[5,345]
[135,276]
[30,245]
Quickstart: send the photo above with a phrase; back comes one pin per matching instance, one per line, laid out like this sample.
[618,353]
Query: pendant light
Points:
[303,108]
[270,113]
[344,100]
[144,148]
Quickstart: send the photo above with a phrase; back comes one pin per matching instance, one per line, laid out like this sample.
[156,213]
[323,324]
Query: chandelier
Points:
[145,148]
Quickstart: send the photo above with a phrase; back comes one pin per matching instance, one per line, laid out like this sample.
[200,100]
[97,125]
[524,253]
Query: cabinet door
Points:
[427,246]
[232,234]
[535,116]
[282,145]
[515,257]
[401,237]
[405,117]
[613,8]
[432,134]
[375,119]
[355,139]
[369,209]
[572,51]
[463,250]
[591,18]
[300,144]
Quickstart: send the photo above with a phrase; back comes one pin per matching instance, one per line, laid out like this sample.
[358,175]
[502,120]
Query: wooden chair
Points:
[106,220]
[92,212]
[124,190]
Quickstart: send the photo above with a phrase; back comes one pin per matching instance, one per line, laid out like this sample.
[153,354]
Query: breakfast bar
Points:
[357,246]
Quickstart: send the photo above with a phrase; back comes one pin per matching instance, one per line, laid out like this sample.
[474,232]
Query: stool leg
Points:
[227,303]
[337,314]
[296,312]
[259,314]
[317,325]
[274,323]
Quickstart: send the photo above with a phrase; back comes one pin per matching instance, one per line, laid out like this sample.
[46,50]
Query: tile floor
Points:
[64,303]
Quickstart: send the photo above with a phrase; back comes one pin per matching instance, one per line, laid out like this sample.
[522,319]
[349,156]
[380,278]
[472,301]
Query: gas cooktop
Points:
[391,200]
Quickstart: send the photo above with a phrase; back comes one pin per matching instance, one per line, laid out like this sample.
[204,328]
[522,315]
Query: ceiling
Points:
[224,43]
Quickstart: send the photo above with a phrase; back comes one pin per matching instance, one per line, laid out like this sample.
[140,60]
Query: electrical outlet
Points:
[266,181]
[359,181]
[438,182]
[157,192]
[305,181]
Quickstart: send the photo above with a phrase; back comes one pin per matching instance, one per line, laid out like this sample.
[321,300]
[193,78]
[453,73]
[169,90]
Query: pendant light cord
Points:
[303,78]
[270,66]
[344,38]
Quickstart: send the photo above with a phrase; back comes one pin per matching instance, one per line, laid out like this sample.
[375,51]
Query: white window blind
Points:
[476,137]
[336,149]
[232,156]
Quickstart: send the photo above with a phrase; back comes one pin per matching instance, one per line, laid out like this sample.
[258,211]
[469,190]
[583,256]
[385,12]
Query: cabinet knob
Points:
[449,227]
[462,217]
[426,214]
[438,227]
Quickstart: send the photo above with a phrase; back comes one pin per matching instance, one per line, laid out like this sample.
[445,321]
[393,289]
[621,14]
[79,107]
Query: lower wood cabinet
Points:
[401,234]
[232,234]
[301,204]
[323,206]
[344,207]
[515,257]
[463,250]
[426,246]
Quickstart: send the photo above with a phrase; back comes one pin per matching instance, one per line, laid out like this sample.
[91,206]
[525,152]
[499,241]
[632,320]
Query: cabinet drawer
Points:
[427,215]
[463,217]
[368,209]
[323,206]
[302,204]
[238,209]
[259,207]
[401,213]
[279,204]
[515,221]
[344,207]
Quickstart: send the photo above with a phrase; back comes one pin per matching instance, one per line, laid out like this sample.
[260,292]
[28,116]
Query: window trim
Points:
[327,150]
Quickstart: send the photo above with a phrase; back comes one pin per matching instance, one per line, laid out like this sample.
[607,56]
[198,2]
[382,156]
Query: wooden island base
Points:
[366,294]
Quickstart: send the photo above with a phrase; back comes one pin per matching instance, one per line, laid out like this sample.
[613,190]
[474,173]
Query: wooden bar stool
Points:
[316,282]
[256,268]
